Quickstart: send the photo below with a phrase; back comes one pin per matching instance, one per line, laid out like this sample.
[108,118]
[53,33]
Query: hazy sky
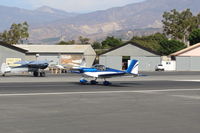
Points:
[68,5]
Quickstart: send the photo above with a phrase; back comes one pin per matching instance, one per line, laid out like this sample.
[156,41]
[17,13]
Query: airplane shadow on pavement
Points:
[113,84]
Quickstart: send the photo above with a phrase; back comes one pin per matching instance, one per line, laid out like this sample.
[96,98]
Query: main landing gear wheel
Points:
[106,83]
[42,74]
[93,82]
[35,74]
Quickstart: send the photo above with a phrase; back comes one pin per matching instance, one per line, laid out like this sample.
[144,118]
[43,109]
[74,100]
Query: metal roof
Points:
[54,48]
[13,47]
[185,50]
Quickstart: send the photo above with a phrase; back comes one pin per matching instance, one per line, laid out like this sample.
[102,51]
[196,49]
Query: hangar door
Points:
[195,64]
[147,63]
[111,61]
[184,63]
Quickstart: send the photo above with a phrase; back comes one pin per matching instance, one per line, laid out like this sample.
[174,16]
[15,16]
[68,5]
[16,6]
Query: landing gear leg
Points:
[94,82]
[35,73]
[42,74]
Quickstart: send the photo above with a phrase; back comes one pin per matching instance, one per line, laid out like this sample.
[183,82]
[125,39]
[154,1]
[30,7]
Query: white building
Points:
[188,59]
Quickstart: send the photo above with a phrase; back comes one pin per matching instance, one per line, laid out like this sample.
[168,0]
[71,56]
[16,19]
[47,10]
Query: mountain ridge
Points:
[98,24]
[33,17]
[49,23]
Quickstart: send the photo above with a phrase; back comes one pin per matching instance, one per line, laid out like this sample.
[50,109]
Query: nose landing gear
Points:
[83,81]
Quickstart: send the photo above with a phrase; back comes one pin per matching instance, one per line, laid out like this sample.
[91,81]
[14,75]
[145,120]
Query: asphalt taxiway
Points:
[159,102]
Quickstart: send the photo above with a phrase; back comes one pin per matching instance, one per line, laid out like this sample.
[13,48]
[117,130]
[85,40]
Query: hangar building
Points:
[10,52]
[188,59]
[58,54]
[118,57]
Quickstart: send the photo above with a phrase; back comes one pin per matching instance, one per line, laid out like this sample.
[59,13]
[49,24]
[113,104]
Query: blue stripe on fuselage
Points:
[82,70]
[113,70]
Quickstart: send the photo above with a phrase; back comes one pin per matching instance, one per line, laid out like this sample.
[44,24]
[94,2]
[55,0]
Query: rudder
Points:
[133,67]
[5,68]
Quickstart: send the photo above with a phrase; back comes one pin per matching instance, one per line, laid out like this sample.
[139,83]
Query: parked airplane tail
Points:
[133,67]
[5,68]
[83,63]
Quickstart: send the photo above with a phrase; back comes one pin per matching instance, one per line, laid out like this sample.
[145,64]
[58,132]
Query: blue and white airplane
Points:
[36,67]
[100,71]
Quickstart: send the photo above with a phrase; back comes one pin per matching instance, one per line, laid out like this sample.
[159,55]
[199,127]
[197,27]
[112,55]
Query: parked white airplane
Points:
[36,67]
[80,64]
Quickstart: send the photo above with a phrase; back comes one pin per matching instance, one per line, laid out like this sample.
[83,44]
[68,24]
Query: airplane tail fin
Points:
[133,67]
[5,68]
[83,63]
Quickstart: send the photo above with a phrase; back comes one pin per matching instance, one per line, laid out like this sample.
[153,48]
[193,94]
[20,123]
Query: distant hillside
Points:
[36,17]
[144,15]
[48,23]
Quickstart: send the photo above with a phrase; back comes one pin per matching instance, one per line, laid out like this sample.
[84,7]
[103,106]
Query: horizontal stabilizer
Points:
[5,68]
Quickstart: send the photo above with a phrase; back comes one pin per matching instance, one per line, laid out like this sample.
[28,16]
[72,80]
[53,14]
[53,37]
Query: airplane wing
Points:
[38,64]
[109,75]
[103,74]
[31,62]
[22,62]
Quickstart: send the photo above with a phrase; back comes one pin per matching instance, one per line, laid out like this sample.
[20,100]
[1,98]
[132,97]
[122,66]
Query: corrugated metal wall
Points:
[111,61]
[145,63]
[147,60]
[195,64]
[187,63]
[9,53]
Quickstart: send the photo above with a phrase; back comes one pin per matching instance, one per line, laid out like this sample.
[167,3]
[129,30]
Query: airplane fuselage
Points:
[107,73]
[100,71]
[28,68]
[36,67]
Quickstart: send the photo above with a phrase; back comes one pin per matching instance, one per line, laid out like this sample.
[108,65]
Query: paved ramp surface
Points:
[158,105]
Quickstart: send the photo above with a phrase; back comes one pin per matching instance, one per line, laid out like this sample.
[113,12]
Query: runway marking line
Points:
[188,97]
[189,80]
[97,92]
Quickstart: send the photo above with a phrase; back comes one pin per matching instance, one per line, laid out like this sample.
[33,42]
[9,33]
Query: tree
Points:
[96,45]
[170,46]
[178,25]
[194,37]
[152,41]
[111,42]
[66,43]
[16,34]
[4,36]
[158,37]
[84,40]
